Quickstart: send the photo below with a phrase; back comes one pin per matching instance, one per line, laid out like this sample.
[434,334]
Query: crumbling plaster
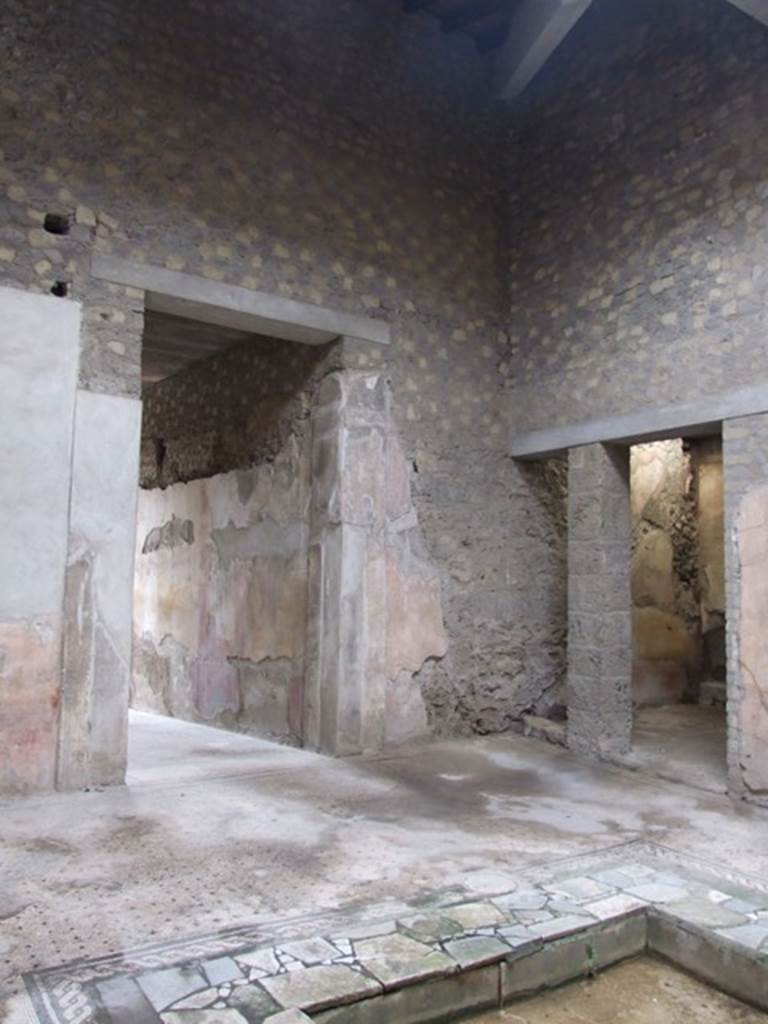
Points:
[220,603]
[225,564]
[375,598]
[221,563]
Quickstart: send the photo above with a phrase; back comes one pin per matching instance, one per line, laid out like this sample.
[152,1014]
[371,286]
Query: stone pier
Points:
[599,603]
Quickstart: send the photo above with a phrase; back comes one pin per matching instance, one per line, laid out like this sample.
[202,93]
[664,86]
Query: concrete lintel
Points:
[227,305]
[698,418]
[537,29]
[755,8]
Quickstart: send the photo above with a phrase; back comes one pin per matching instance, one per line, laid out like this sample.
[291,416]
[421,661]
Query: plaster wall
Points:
[375,611]
[96,656]
[221,562]
[220,598]
[39,344]
[293,598]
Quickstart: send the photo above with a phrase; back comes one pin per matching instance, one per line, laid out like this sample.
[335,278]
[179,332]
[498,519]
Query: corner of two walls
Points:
[223,561]
[375,607]
[219,605]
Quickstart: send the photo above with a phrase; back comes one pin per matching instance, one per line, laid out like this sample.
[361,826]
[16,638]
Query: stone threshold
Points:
[441,960]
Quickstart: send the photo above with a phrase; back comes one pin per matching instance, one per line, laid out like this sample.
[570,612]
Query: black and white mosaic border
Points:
[577,916]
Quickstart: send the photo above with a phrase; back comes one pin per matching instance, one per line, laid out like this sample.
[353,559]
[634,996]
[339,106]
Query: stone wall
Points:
[745,451]
[678,584]
[710,495]
[505,598]
[338,153]
[666,618]
[639,214]
[230,411]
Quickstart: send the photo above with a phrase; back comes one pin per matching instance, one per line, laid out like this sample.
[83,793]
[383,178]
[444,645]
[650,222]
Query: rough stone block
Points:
[396,960]
[733,968]
[442,999]
[316,988]
[575,956]
[599,624]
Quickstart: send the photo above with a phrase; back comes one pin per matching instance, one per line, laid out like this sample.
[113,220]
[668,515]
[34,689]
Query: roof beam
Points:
[537,29]
[756,8]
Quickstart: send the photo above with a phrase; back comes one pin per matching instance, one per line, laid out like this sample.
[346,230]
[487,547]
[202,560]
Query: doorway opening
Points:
[221,578]
[678,611]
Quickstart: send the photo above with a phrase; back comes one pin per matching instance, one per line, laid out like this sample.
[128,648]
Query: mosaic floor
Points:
[246,975]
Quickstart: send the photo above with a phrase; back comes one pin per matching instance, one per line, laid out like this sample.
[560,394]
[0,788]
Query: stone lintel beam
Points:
[228,305]
[701,417]
[537,29]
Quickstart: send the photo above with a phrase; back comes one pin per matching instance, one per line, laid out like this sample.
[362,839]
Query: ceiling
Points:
[172,343]
[487,22]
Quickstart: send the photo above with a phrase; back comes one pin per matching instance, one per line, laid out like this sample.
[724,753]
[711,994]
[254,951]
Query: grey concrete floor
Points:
[219,830]
[684,743]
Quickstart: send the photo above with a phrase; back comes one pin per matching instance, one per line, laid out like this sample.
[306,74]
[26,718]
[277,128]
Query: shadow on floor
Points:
[682,743]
